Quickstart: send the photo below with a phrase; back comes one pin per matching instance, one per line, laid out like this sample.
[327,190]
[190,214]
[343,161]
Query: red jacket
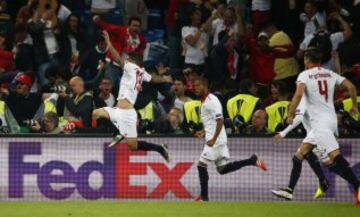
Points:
[6,60]
[118,36]
[261,61]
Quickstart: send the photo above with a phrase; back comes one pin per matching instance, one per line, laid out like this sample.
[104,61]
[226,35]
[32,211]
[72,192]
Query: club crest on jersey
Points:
[139,79]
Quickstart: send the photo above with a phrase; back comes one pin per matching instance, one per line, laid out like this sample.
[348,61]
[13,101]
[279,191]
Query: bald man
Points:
[79,106]
[258,123]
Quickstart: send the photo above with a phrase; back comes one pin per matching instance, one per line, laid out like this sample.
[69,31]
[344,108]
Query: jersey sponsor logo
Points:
[320,75]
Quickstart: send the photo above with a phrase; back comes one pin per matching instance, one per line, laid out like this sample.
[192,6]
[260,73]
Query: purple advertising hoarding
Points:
[84,168]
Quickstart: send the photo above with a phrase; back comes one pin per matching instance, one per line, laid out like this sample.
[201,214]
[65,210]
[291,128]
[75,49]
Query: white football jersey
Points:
[210,111]
[131,82]
[320,86]
[302,110]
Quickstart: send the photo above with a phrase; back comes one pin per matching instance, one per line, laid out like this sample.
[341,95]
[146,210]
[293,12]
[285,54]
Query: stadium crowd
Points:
[55,67]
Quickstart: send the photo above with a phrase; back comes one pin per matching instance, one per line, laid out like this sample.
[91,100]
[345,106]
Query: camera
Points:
[59,88]
[146,126]
[30,122]
[349,121]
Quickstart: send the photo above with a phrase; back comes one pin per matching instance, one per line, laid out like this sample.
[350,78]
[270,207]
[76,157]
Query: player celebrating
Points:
[124,116]
[317,85]
[302,116]
[215,149]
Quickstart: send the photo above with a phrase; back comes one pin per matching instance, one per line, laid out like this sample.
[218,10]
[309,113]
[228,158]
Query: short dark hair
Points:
[192,10]
[282,87]
[204,81]
[314,55]
[268,24]
[136,57]
[181,79]
[312,2]
[134,18]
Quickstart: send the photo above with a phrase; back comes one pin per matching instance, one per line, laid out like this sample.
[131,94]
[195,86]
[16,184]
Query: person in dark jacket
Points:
[21,102]
[78,105]
[47,45]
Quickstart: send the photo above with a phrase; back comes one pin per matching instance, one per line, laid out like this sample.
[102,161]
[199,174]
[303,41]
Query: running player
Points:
[215,149]
[124,116]
[302,116]
[317,85]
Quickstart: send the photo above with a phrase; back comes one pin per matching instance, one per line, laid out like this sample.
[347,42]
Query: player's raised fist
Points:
[200,134]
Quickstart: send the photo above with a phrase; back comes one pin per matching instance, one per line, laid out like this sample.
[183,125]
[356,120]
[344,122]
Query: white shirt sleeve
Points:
[214,25]
[302,79]
[305,43]
[186,31]
[216,109]
[336,39]
[146,76]
[339,79]
[296,122]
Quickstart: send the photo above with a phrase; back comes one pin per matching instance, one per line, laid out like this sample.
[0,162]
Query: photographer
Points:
[49,125]
[78,105]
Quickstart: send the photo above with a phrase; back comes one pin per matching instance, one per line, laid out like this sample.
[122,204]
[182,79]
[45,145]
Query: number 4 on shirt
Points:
[323,89]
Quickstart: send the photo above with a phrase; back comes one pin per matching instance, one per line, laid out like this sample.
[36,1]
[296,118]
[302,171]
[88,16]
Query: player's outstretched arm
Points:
[300,89]
[116,56]
[353,94]
[296,122]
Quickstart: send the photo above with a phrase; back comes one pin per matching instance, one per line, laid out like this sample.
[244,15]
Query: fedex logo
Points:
[116,171]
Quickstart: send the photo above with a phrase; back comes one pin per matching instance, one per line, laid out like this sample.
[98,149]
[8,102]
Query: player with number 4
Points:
[317,86]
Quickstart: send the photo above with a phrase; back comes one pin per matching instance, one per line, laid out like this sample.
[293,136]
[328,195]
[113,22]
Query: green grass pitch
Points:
[176,209]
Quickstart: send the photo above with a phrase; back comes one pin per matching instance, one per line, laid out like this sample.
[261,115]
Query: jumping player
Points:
[317,85]
[215,149]
[124,116]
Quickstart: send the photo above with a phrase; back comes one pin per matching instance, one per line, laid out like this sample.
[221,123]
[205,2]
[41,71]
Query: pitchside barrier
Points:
[83,168]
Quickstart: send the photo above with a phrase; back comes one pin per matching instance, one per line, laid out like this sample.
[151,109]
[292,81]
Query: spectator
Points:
[330,58]
[104,97]
[125,39]
[231,23]
[74,40]
[260,13]
[312,18]
[262,57]
[194,42]
[49,125]
[170,123]
[6,56]
[8,123]
[178,88]
[279,91]
[47,45]
[277,111]
[79,106]
[138,8]
[285,68]
[258,124]
[87,67]
[21,22]
[21,102]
